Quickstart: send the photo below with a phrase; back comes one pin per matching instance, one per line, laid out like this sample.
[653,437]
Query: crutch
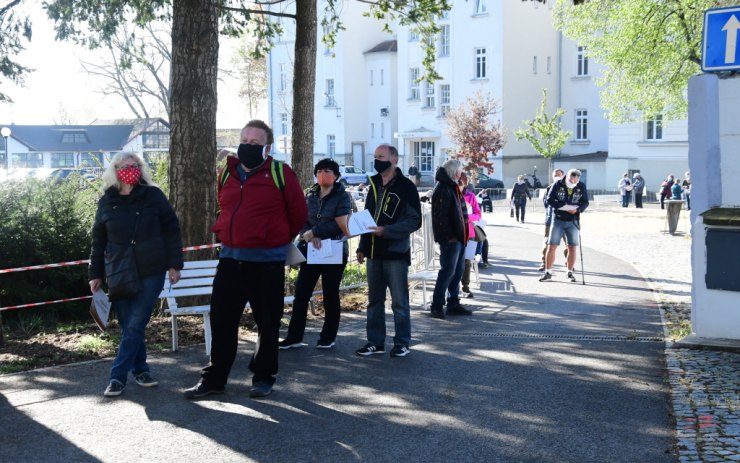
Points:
[580,247]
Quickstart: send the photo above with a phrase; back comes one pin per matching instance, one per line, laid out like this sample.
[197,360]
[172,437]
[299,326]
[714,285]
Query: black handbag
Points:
[121,273]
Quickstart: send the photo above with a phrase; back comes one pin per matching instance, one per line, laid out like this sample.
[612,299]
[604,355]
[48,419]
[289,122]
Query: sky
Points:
[59,89]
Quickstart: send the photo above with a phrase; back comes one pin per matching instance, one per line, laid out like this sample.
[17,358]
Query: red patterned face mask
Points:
[129,175]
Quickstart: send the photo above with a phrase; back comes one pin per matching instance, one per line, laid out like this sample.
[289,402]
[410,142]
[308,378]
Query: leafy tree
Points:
[544,132]
[474,126]
[14,29]
[196,25]
[649,49]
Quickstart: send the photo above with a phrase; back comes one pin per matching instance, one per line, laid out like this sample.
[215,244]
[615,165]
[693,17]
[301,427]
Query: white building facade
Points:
[368,93]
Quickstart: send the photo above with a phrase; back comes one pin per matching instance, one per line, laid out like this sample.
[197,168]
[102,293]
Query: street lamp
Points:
[5,132]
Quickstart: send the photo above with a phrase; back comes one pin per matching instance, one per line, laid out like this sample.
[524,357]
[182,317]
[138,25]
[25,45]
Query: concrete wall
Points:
[714,141]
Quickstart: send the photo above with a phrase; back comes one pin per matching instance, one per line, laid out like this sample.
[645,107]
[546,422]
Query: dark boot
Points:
[437,312]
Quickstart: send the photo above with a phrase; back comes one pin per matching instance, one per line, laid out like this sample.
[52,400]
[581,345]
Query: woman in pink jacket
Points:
[473,216]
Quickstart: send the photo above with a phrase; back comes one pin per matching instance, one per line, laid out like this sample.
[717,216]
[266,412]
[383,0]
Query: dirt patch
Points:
[84,341]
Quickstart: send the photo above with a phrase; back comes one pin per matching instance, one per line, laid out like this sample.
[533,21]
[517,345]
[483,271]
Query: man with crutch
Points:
[568,197]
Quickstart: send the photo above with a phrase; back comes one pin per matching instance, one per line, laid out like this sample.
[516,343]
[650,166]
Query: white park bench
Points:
[196,280]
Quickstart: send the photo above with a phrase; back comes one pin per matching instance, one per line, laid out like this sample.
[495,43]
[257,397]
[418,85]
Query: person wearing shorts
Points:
[568,197]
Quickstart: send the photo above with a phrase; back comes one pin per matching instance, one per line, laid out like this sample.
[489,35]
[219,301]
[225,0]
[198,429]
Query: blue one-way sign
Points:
[720,50]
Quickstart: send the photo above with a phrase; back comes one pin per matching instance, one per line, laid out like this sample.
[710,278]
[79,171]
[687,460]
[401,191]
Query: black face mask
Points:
[381,166]
[250,155]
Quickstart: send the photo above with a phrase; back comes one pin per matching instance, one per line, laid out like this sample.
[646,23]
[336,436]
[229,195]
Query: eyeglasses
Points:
[126,166]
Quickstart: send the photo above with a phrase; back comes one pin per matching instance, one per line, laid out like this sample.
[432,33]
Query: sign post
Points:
[720,50]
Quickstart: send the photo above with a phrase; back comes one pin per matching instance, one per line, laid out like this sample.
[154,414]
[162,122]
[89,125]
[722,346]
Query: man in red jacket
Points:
[262,208]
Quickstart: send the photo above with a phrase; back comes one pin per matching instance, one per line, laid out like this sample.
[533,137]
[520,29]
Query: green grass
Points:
[98,344]
[14,366]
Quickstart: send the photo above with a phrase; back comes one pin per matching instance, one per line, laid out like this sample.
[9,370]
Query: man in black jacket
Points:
[568,197]
[394,203]
[450,227]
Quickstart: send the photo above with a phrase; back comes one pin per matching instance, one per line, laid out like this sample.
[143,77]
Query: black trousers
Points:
[236,283]
[308,275]
[638,200]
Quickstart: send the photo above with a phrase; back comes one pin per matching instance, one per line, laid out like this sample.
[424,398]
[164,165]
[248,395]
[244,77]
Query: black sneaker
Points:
[114,389]
[400,351]
[458,310]
[145,380]
[466,293]
[483,264]
[321,344]
[259,390]
[286,344]
[542,268]
[572,277]
[437,312]
[201,390]
[370,349]
[546,277]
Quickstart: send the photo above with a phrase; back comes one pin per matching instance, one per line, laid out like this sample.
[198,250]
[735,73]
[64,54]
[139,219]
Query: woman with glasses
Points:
[328,211]
[134,210]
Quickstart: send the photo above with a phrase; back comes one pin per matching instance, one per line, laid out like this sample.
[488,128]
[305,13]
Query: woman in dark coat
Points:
[328,211]
[665,190]
[132,208]
[519,195]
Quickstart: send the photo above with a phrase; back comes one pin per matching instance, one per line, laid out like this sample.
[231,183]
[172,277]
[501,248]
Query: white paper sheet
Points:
[568,207]
[329,253]
[360,222]
[100,309]
[294,256]
[470,250]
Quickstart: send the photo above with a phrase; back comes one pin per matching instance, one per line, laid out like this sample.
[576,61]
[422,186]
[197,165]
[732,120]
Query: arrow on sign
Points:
[731,26]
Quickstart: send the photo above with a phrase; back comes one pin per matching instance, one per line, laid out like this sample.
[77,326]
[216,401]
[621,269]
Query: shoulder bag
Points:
[121,273]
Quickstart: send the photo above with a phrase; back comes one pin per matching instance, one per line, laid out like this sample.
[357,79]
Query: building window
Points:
[372,130]
[283,123]
[534,65]
[480,63]
[27,160]
[413,35]
[582,62]
[424,155]
[480,7]
[330,93]
[331,146]
[283,77]
[445,14]
[655,128]
[328,28]
[372,78]
[444,99]
[444,40]
[382,130]
[91,160]
[428,95]
[156,136]
[581,124]
[382,77]
[74,137]
[549,64]
[62,160]
[414,84]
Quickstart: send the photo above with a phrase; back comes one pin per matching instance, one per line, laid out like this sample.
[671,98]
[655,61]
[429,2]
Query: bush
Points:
[45,222]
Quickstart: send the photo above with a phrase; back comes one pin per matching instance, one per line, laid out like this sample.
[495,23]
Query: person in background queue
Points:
[450,228]
[258,220]
[132,208]
[568,197]
[328,211]
[393,201]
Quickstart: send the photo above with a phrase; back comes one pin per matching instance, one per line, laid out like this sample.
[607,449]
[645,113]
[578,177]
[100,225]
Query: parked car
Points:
[351,175]
[484,181]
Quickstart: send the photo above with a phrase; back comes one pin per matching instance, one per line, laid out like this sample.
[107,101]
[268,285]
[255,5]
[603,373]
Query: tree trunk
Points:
[304,86]
[193,118]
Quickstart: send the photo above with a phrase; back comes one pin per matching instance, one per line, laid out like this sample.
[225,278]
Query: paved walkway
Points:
[541,372]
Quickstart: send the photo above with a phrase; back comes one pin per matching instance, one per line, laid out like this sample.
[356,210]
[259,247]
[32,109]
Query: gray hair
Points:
[575,172]
[109,176]
[452,166]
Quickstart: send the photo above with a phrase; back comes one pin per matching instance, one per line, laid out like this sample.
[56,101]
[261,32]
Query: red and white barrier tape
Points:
[74,262]
[87,261]
[36,304]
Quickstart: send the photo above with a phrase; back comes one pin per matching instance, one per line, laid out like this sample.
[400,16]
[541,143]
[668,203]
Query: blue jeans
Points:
[560,228]
[392,274]
[133,316]
[626,198]
[451,267]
